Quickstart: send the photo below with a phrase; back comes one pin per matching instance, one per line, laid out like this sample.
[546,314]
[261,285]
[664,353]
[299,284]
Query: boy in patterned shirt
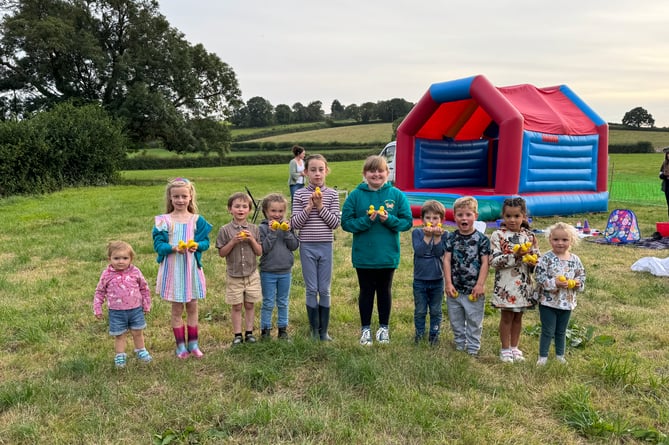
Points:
[466,265]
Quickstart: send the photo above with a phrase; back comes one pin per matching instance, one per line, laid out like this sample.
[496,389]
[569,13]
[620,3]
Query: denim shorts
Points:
[122,320]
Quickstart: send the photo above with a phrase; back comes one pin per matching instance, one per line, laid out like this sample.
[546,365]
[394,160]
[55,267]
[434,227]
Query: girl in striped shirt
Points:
[315,215]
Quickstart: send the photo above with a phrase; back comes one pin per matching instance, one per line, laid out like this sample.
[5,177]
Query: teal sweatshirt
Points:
[376,245]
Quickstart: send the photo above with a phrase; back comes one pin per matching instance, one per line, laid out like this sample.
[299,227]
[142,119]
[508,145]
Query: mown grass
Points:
[59,385]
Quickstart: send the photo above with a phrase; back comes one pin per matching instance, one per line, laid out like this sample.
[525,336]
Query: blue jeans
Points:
[293,188]
[275,290]
[427,294]
[554,323]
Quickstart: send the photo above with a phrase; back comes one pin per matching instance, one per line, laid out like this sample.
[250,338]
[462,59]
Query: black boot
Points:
[324,317]
[265,334]
[283,334]
[312,313]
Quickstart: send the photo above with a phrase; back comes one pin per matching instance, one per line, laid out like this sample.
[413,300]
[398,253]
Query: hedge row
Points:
[286,146]
[639,147]
[66,146]
[155,163]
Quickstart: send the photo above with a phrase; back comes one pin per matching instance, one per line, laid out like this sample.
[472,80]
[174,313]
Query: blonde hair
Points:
[466,201]
[273,197]
[433,206]
[375,162]
[116,246]
[180,182]
[570,230]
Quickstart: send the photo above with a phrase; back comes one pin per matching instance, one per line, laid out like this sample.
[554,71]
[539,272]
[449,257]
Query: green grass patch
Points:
[59,384]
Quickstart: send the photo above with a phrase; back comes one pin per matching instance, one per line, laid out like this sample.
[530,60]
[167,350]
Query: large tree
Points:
[260,112]
[638,117]
[122,54]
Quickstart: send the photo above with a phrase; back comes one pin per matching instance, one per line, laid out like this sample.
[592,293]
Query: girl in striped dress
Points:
[179,238]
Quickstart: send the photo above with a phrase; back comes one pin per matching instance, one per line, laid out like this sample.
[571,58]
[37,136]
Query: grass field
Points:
[59,385]
[382,133]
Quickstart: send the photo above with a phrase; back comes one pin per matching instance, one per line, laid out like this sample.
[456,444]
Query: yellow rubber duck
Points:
[284,226]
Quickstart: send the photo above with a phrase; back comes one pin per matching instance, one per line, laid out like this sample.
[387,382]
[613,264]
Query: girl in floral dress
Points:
[515,252]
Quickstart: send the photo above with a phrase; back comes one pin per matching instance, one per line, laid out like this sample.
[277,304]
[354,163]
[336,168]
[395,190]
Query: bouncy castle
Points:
[468,137]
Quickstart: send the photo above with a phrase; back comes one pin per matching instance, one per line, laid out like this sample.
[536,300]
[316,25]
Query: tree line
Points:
[259,112]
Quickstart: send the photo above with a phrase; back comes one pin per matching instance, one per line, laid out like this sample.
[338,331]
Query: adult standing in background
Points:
[296,169]
[664,176]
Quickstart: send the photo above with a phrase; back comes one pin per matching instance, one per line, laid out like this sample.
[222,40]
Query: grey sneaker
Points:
[382,335]
[366,337]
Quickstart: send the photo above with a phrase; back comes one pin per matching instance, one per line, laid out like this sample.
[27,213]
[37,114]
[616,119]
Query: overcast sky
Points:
[614,54]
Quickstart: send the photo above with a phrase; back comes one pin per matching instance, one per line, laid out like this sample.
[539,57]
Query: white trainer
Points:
[382,335]
[366,337]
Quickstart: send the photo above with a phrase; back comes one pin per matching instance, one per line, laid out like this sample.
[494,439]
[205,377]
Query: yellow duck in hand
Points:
[284,226]
[182,245]
[530,258]
[371,209]
[382,210]
[317,191]
[191,243]
[523,248]
[275,225]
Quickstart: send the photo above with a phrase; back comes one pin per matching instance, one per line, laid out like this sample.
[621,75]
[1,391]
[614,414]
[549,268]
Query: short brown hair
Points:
[239,195]
[433,206]
[273,197]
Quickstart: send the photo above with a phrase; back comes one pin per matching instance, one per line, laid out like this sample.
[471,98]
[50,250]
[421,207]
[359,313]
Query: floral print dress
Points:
[514,287]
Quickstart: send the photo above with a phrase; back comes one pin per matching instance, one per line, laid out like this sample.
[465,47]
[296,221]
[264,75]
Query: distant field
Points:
[370,133]
[383,133]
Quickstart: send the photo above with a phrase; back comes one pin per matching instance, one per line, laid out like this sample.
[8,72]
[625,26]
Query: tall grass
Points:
[59,385]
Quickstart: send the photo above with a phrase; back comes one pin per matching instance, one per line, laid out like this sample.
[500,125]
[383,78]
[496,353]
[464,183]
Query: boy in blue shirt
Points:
[466,265]
[428,274]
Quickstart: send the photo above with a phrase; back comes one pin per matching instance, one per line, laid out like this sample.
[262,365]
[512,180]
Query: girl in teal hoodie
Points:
[375,213]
